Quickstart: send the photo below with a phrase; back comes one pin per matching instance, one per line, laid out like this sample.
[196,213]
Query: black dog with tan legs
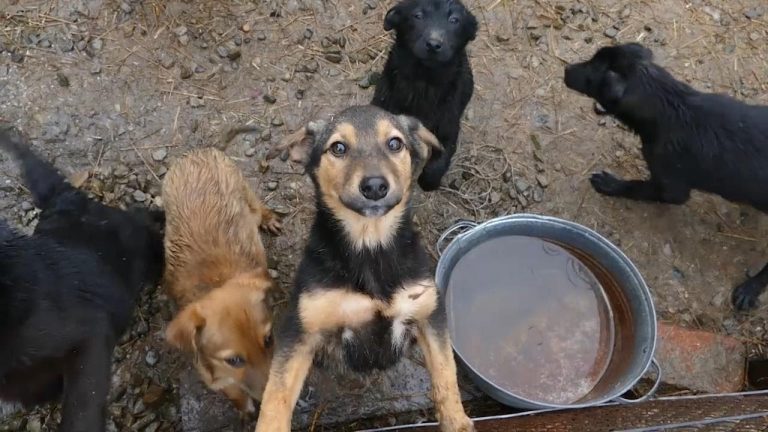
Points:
[363,291]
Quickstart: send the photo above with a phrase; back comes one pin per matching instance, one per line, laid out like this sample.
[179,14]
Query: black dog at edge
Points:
[690,140]
[67,293]
[427,74]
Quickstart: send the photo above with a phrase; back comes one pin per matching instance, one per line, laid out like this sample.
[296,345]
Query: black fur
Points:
[67,293]
[690,140]
[434,87]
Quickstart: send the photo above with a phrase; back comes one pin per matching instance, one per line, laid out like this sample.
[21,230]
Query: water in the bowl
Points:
[531,318]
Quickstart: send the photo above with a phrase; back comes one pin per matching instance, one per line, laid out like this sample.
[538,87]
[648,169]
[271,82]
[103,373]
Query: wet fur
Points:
[67,293]
[217,272]
[690,140]
[355,303]
[437,92]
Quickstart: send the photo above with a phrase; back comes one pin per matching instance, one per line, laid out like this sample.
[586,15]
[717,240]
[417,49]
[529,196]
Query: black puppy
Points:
[67,294]
[427,74]
[690,140]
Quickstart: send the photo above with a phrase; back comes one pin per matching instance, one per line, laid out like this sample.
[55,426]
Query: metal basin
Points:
[626,296]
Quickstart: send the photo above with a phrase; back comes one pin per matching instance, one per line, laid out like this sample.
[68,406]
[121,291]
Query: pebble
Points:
[611,32]
[160,154]
[27,206]
[625,13]
[196,102]
[65,44]
[308,33]
[266,135]
[507,176]
[667,250]
[126,7]
[538,194]
[261,36]
[17,57]
[310,66]
[754,36]
[184,40]
[246,27]
[138,407]
[286,77]
[97,44]
[96,69]
[34,425]
[272,185]
[152,358]
[334,57]
[719,299]
[81,45]
[153,427]
[185,72]
[250,152]
[268,98]
[144,422]
[370,79]
[542,180]
[754,13]
[277,121]
[495,197]
[521,185]
[180,31]
[166,60]
[502,37]
[62,79]
[237,40]
[273,273]
[139,196]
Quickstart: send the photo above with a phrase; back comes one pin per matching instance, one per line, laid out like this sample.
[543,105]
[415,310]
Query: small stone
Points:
[542,180]
[200,69]
[166,60]
[261,36]
[272,185]
[334,57]
[495,197]
[159,154]
[139,196]
[185,72]
[624,14]
[237,40]
[152,358]
[196,102]
[268,98]
[64,45]
[222,51]
[250,152]
[246,27]
[611,32]
[62,79]
[286,77]
[507,176]
[34,425]
[180,31]
[308,33]
[719,299]
[754,36]
[502,37]
[126,7]
[81,45]
[538,194]
[234,54]
[370,79]
[263,166]
[754,13]
[138,407]
[533,24]
[96,69]
[153,395]
[152,427]
[535,62]
[273,273]
[521,185]
[266,135]
[310,66]
[277,121]
[143,422]
[17,57]
[667,250]
[184,40]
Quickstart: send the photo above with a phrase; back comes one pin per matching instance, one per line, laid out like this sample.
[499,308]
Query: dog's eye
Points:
[338,148]
[268,340]
[418,15]
[395,144]
[235,361]
[453,20]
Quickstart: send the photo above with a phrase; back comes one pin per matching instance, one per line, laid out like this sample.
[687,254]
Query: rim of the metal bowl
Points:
[635,273]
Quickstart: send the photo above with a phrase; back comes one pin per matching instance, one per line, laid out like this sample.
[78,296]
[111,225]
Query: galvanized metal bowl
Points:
[631,303]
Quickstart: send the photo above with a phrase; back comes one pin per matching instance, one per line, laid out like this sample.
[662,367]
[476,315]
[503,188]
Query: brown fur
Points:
[216,270]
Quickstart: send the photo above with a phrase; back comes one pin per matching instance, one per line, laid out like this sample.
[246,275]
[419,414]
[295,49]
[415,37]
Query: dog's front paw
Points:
[459,423]
[744,297]
[606,183]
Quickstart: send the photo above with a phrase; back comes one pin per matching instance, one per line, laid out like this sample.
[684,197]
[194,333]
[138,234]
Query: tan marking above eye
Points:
[385,131]
[344,133]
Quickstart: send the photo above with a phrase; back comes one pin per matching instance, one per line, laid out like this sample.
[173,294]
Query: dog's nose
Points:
[434,44]
[374,188]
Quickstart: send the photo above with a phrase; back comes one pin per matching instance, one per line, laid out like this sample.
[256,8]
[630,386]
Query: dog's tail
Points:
[42,179]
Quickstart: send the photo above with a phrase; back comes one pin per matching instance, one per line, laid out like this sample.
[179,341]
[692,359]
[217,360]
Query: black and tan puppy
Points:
[363,289]
[427,74]
[690,140]
[68,292]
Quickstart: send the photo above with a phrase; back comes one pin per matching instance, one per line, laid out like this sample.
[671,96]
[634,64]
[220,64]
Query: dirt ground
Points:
[115,90]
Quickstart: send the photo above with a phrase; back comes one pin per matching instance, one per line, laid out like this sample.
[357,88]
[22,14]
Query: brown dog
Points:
[363,291]
[216,270]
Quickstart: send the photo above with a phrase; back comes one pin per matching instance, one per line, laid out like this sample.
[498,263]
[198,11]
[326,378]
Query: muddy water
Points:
[532,318]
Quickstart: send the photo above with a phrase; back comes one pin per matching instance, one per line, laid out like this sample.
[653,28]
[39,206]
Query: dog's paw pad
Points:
[744,297]
[606,183]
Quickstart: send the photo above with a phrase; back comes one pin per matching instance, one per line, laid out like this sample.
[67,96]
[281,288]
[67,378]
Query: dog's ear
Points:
[470,26]
[183,331]
[299,144]
[393,18]
[612,89]
[426,143]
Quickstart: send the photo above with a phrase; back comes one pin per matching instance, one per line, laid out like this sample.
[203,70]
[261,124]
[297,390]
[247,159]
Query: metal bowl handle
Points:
[443,241]
[651,392]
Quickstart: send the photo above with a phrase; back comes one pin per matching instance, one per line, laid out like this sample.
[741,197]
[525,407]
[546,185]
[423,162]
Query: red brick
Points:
[699,360]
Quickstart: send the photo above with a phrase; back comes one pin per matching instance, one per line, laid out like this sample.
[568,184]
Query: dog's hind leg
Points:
[435,344]
[436,167]
[86,385]
[640,190]
[744,296]
[290,368]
